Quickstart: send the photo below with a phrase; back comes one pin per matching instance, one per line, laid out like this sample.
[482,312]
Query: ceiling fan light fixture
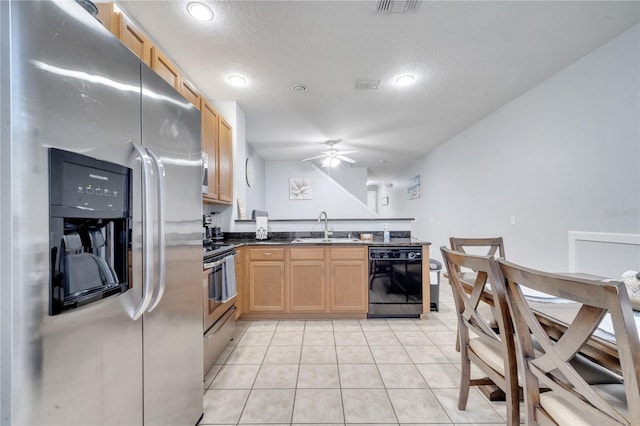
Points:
[405,80]
[331,162]
[200,11]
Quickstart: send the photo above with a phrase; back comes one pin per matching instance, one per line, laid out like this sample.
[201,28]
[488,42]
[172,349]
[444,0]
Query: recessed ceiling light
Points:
[405,80]
[236,80]
[200,11]
[299,88]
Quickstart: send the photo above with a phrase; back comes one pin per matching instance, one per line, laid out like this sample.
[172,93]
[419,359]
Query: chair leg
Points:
[513,407]
[465,377]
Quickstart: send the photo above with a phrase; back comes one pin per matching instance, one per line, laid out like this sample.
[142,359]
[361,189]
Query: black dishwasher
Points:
[395,282]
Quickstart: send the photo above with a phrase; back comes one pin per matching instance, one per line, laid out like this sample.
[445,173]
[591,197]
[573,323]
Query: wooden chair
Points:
[484,247]
[492,351]
[571,399]
[492,245]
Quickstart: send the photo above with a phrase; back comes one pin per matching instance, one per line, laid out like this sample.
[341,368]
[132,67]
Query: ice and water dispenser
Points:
[89,229]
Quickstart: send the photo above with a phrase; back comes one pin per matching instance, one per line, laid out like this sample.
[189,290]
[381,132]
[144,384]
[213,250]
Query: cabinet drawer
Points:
[270,253]
[306,253]
[348,253]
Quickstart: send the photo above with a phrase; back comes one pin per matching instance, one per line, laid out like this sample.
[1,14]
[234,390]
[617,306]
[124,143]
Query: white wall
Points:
[256,194]
[352,178]
[563,156]
[327,195]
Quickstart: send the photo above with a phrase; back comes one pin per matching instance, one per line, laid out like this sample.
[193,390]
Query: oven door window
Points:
[214,289]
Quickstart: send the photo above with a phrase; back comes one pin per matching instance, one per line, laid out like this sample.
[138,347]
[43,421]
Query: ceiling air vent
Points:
[397,6]
[362,84]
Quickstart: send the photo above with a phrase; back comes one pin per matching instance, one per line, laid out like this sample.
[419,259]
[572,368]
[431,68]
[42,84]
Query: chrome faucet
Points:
[326,224]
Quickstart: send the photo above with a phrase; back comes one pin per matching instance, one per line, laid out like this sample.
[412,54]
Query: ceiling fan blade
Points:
[345,159]
[317,156]
[346,152]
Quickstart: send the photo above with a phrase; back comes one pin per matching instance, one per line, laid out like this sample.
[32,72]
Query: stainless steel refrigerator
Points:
[124,359]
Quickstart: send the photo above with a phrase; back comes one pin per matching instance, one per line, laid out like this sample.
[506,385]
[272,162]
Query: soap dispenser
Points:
[386,236]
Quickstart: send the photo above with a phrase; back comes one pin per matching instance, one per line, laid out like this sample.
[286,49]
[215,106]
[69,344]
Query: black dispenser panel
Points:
[90,228]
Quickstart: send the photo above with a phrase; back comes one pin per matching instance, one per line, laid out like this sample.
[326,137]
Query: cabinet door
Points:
[165,68]
[225,161]
[266,286]
[134,39]
[210,146]
[307,286]
[108,16]
[189,92]
[240,281]
[348,280]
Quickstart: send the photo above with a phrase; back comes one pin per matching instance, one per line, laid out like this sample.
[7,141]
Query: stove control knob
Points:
[412,255]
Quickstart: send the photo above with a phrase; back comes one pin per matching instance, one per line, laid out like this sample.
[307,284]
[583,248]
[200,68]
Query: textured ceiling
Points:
[469,59]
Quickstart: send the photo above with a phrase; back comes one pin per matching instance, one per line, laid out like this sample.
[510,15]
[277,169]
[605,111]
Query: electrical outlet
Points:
[513,220]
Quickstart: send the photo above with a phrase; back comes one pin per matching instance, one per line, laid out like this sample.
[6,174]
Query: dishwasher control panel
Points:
[395,253]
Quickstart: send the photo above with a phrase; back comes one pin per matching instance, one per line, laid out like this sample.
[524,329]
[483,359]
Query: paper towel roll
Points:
[261,227]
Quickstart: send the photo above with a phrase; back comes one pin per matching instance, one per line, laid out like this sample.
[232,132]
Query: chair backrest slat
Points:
[493,245]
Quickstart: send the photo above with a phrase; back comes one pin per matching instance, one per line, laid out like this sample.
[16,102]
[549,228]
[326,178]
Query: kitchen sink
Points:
[325,240]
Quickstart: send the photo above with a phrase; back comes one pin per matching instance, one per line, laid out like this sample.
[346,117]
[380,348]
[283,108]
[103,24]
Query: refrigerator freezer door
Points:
[70,85]
[173,345]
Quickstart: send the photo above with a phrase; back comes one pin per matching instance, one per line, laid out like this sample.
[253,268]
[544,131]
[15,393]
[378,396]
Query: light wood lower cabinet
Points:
[266,280]
[348,289]
[240,279]
[306,278]
[298,281]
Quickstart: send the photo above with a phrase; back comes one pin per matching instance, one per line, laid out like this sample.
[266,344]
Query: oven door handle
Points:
[217,263]
[161,232]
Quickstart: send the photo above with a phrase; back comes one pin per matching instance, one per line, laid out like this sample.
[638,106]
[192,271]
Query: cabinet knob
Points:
[267,253]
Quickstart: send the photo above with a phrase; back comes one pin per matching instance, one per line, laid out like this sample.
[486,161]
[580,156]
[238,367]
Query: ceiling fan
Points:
[332,157]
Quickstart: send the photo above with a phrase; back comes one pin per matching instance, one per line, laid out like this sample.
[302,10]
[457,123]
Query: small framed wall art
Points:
[413,191]
[299,188]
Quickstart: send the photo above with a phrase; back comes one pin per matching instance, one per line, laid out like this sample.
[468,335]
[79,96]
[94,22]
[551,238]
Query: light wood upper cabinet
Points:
[108,16]
[165,68]
[348,290]
[225,161]
[217,134]
[218,144]
[306,278]
[189,92]
[210,146]
[134,39]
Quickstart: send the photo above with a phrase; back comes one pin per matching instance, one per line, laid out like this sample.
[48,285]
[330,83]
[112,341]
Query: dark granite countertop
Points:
[274,242]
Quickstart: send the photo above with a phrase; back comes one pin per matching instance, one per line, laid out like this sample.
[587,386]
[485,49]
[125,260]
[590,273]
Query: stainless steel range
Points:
[219,301]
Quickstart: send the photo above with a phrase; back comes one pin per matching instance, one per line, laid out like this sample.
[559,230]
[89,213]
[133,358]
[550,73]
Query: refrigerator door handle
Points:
[147,235]
[161,234]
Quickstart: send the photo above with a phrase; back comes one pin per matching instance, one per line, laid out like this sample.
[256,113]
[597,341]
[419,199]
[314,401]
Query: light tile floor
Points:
[391,372]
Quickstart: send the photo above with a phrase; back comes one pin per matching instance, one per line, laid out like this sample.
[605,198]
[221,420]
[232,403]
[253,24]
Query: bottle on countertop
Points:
[386,235]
